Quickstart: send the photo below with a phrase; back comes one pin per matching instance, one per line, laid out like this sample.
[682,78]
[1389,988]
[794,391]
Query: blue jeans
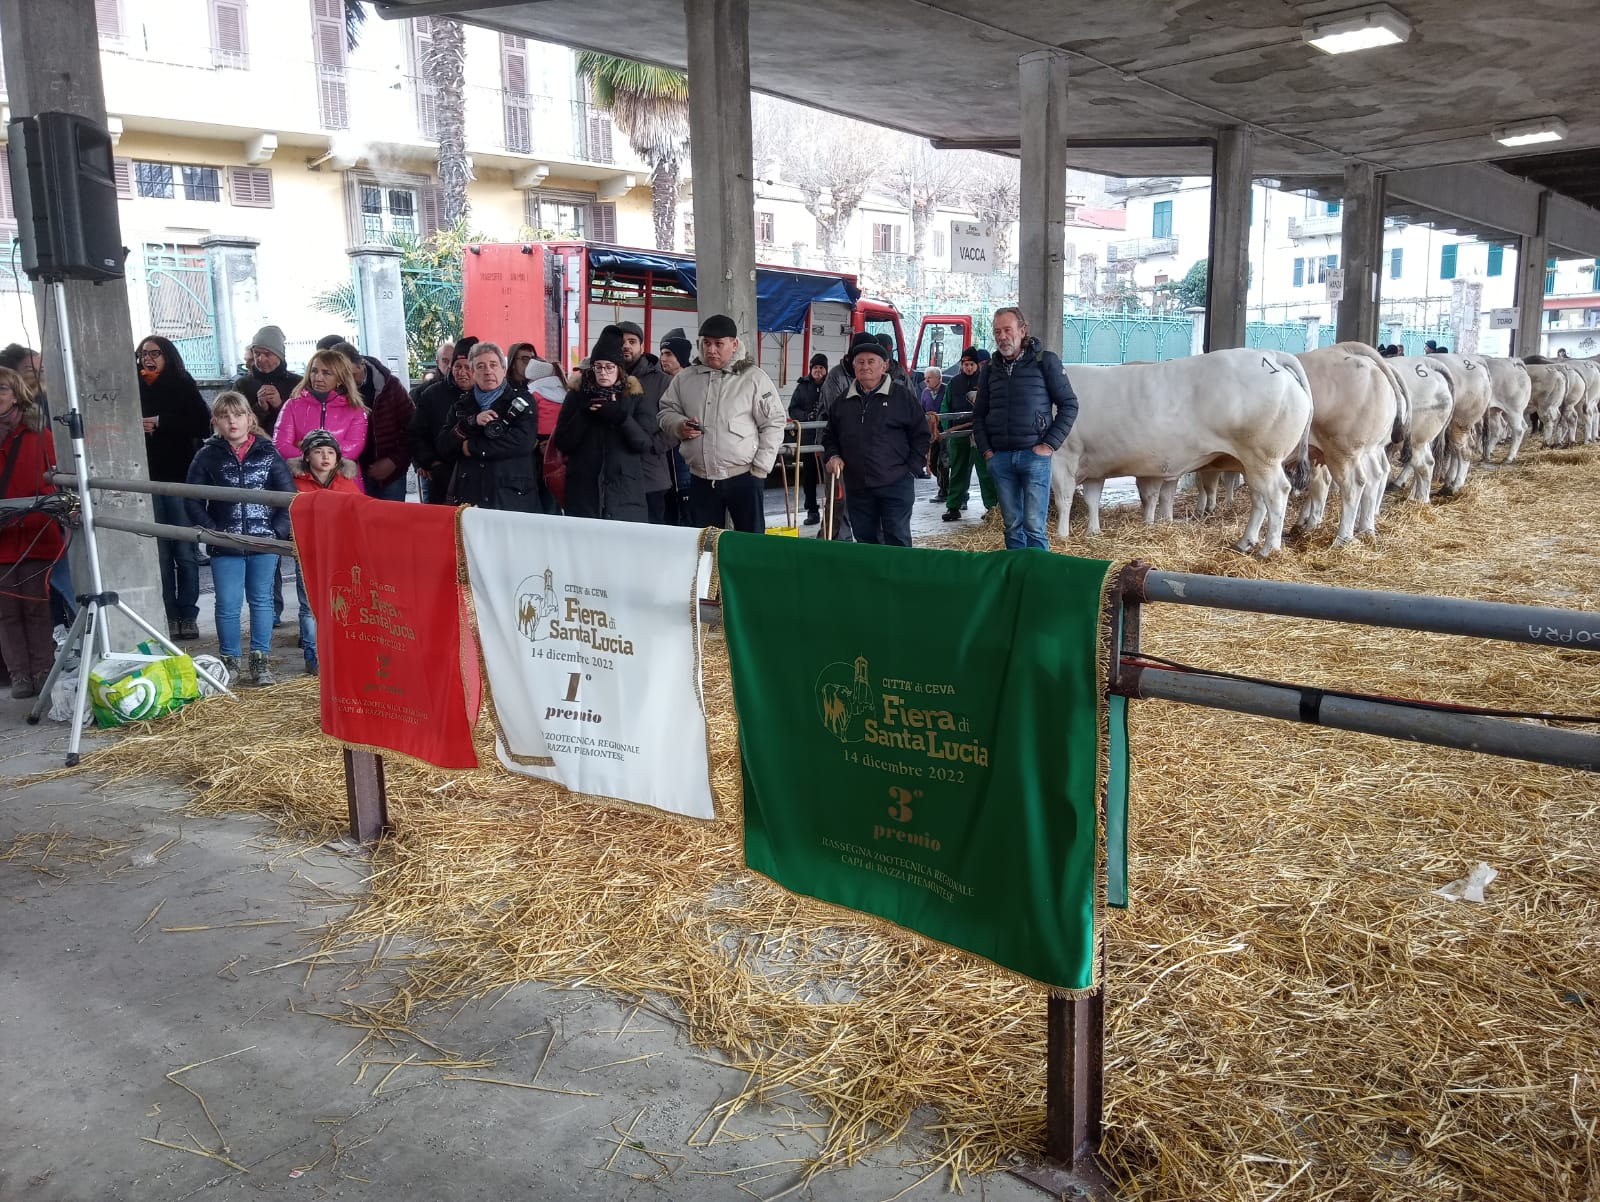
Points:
[63,605]
[882,514]
[392,490]
[237,579]
[180,563]
[308,620]
[1022,482]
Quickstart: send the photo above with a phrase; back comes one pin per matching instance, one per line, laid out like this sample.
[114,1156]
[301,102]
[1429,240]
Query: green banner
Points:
[922,734]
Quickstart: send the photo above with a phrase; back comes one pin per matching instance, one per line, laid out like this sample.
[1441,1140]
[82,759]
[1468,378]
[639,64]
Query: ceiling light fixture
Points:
[1361,29]
[1531,133]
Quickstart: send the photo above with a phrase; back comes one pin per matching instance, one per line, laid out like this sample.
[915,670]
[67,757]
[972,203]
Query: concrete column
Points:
[1042,243]
[52,64]
[1361,253]
[381,307]
[1228,273]
[231,259]
[1533,251]
[721,155]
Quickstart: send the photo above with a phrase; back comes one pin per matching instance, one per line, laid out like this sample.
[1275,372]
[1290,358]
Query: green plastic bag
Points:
[132,686]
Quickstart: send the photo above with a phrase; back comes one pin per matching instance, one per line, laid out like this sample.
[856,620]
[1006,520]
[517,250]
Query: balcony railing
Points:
[1140,248]
[1319,226]
[1141,185]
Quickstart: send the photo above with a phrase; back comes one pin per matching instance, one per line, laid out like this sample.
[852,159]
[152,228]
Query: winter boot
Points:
[231,664]
[261,669]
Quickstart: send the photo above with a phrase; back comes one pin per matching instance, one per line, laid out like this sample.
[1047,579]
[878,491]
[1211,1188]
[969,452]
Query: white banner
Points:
[590,633]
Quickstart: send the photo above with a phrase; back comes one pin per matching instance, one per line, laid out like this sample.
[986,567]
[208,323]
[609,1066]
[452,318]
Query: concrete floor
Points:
[99,1001]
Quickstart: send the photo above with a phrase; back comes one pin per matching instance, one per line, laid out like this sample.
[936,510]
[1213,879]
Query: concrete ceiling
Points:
[1151,79]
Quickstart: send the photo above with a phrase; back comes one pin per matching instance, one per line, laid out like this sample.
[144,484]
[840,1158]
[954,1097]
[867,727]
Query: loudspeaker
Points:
[65,194]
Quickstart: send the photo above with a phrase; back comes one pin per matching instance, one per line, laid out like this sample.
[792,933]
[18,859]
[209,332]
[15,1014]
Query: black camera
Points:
[519,407]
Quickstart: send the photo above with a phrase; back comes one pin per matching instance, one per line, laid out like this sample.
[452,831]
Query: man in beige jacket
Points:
[727,417]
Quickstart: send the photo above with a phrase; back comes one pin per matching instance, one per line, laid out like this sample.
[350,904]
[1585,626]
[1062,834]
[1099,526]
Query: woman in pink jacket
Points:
[329,399]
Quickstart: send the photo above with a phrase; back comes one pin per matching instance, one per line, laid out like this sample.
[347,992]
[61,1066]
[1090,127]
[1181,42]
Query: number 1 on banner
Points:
[572,686]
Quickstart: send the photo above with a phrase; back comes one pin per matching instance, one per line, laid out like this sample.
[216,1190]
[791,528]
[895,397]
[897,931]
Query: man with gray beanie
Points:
[267,381]
[727,417]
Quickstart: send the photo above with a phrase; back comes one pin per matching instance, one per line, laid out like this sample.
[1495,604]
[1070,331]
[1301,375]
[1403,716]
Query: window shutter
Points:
[599,131]
[603,222]
[427,94]
[228,47]
[514,93]
[1299,273]
[108,18]
[333,101]
[122,172]
[8,211]
[250,187]
[432,202]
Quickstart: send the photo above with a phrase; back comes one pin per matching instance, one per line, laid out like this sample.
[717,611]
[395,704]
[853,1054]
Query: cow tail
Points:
[1300,473]
[1401,432]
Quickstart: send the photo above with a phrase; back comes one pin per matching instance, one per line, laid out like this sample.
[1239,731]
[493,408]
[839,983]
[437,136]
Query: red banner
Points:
[399,660]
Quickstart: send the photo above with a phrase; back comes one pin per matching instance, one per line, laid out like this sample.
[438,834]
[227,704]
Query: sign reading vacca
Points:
[971,247]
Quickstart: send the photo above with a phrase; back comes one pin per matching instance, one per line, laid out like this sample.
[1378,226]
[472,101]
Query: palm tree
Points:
[445,65]
[651,106]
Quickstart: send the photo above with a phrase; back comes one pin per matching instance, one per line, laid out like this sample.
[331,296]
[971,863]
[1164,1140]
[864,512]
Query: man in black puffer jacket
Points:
[877,438]
[1023,413]
[491,438]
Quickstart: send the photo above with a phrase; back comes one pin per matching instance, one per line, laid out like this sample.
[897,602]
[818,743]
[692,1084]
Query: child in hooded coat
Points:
[320,468]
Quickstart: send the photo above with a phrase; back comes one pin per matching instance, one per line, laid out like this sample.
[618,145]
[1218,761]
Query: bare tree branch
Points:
[924,180]
[831,160]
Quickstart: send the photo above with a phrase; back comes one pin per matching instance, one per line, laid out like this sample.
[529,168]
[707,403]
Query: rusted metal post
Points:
[365,791]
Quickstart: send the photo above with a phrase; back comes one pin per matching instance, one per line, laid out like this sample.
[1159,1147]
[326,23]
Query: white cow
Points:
[1549,382]
[1585,419]
[1431,394]
[1508,403]
[1245,410]
[1463,437]
[1360,409]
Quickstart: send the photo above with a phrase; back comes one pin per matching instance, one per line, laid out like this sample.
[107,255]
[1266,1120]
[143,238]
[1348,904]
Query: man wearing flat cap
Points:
[877,439]
[728,420]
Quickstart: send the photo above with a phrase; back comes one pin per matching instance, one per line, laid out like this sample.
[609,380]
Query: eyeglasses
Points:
[7,390]
[149,355]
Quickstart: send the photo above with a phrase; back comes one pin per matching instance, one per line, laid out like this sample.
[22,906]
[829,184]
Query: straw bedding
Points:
[1293,1014]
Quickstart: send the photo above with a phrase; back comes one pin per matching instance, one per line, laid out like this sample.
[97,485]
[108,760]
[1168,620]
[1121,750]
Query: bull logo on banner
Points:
[845,699]
[536,604]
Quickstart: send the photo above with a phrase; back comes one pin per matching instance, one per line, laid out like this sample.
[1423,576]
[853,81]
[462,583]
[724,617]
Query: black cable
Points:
[1311,698]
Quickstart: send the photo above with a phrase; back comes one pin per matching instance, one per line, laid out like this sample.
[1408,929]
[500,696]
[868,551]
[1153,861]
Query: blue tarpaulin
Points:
[782,297]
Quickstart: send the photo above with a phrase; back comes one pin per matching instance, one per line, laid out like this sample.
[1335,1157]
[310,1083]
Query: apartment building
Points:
[253,119]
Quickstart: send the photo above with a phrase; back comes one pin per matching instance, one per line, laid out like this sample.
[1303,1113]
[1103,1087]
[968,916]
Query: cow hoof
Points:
[1244,546]
[1265,553]
[1342,541]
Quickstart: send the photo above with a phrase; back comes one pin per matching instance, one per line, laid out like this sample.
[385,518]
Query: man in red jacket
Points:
[387,454]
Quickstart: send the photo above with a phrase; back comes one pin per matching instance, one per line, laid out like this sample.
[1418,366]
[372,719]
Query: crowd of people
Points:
[685,435]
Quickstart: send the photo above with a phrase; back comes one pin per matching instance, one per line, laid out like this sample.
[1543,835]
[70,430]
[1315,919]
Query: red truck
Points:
[558,295]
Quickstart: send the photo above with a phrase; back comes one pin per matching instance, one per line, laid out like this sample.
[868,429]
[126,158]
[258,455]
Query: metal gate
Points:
[178,282]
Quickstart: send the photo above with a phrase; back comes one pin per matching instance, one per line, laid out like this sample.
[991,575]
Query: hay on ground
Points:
[1292,1012]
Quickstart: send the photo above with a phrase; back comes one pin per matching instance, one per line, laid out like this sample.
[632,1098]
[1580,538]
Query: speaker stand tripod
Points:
[90,635]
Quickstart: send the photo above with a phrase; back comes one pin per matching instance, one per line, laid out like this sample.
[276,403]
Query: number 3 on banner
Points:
[900,811]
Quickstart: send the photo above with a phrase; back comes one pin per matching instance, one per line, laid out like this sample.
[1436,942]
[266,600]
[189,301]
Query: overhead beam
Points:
[443,8]
[1573,227]
[1473,192]
[999,144]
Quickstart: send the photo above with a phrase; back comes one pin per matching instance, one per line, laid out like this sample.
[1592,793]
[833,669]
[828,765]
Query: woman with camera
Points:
[493,431]
[602,431]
